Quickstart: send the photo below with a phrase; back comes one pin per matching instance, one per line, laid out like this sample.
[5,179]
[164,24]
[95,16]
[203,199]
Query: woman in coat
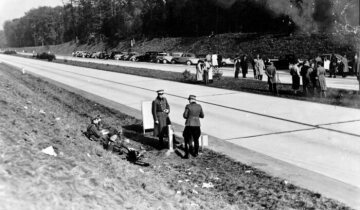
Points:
[345,64]
[322,81]
[199,71]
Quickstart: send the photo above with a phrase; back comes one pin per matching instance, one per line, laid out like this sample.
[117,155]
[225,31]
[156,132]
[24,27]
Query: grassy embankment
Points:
[36,114]
[227,45]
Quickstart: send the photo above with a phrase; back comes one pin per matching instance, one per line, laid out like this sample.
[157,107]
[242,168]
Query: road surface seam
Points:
[341,122]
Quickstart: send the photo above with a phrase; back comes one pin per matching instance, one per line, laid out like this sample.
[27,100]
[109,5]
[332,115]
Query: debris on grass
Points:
[42,112]
[208,185]
[49,151]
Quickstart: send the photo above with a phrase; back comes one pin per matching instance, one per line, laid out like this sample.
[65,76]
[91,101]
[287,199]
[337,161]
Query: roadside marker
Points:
[204,141]
[171,139]
[23,70]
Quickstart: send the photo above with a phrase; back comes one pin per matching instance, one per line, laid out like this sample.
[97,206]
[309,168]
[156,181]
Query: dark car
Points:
[284,61]
[9,52]
[100,55]
[147,57]
[46,56]
[113,53]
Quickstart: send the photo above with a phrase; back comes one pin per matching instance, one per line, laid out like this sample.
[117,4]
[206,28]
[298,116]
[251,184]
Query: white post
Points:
[23,70]
[171,139]
[204,141]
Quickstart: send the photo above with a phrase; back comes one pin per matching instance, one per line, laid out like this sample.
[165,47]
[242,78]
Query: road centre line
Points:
[270,134]
[209,103]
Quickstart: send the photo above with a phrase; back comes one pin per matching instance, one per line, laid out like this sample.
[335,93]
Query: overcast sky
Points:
[10,9]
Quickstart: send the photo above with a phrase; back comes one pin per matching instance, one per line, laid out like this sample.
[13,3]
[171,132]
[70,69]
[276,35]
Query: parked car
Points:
[131,56]
[100,55]
[147,57]
[79,53]
[186,58]
[283,61]
[170,58]
[160,58]
[46,55]
[9,52]
[227,62]
[114,53]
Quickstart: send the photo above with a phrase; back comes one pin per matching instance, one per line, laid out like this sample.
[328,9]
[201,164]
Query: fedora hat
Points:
[192,97]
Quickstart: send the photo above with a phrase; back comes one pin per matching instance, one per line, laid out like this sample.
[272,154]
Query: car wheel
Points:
[173,62]
[164,61]
[223,64]
[158,61]
[188,63]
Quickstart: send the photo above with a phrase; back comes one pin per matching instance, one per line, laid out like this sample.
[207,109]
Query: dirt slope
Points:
[270,45]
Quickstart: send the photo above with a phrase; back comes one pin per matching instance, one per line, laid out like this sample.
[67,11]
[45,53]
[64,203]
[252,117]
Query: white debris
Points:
[88,154]
[285,182]
[195,185]
[23,70]
[207,185]
[141,171]
[58,118]
[42,111]
[194,191]
[178,192]
[187,180]
[49,151]
[248,171]
[216,178]
[25,107]
[180,181]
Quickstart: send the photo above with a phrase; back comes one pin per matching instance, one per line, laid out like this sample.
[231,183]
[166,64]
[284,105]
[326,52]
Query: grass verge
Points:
[84,176]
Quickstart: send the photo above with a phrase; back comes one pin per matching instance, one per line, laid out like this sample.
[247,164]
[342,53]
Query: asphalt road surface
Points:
[314,145]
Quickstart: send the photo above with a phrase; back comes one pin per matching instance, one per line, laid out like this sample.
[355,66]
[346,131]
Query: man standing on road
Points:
[272,78]
[244,66]
[333,65]
[237,66]
[304,75]
[160,112]
[193,112]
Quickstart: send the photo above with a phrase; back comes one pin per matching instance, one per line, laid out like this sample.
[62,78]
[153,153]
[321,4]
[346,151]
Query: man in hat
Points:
[193,112]
[272,78]
[95,132]
[160,111]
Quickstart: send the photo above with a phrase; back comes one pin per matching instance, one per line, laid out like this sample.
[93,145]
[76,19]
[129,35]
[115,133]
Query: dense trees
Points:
[89,21]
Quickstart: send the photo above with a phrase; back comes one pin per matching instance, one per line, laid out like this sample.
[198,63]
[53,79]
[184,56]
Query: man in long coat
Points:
[272,78]
[160,111]
[193,112]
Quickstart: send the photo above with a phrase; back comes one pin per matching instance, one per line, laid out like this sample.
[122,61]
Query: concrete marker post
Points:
[204,141]
[171,138]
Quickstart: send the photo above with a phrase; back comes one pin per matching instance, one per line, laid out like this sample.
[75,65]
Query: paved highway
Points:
[349,83]
[314,145]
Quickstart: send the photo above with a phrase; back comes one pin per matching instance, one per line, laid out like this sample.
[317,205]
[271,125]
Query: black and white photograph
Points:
[179,104]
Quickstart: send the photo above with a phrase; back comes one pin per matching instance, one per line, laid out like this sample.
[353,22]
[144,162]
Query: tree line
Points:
[92,21]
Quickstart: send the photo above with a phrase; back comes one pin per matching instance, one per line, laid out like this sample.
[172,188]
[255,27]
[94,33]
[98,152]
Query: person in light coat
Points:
[259,67]
[200,71]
